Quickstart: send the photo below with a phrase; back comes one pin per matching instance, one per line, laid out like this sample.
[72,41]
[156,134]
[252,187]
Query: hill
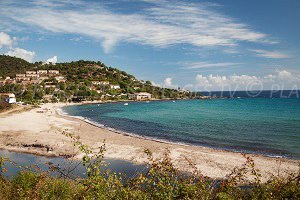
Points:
[78,80]
[10,66]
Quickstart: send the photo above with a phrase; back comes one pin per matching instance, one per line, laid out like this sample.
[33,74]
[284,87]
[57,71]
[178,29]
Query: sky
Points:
[192,44]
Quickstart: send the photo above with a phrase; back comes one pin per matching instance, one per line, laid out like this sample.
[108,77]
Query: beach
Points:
[39,131]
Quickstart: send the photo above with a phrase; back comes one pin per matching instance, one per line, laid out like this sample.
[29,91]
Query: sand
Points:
[39,131]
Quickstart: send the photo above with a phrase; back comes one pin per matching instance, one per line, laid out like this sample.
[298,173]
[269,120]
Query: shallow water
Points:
[23,161]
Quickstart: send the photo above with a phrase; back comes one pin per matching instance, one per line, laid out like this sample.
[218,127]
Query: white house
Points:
[20,75]
[115,87]
[42,72]
[33,76]
[49,86]
[8,97]
[96,82]
[140,96]
[53,72]
[60,79]
[104,82]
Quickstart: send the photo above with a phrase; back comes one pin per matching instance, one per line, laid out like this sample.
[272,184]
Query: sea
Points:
[267,123]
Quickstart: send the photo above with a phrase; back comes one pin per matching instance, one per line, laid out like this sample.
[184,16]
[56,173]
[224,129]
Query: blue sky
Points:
[199,45]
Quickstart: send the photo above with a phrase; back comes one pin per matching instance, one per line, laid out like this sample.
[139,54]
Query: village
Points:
[76,81]
[32,77]
[46,77]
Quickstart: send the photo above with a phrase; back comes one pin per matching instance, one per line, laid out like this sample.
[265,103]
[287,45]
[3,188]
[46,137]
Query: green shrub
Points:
[162,181]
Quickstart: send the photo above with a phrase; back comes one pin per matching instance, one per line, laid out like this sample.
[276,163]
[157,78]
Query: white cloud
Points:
[155,84]
[169,84]
[199,65]
[161,24]
[269,54]
[52,60]
[5,40]
[22,53]
[280,79]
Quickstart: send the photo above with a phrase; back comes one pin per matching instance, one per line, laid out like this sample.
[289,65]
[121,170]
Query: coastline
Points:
[45,139]
[102,126]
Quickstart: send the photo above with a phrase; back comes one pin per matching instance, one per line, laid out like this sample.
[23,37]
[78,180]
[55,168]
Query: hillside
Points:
[9,66]
[84,80]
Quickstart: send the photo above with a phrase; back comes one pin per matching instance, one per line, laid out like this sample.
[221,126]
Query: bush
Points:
[4,106]
[162,181]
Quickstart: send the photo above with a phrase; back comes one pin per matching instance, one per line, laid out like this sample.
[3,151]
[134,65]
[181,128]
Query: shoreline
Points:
[165,141]
[38,131]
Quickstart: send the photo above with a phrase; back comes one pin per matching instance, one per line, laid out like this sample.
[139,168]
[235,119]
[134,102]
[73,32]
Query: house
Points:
[183,91]
[53,72]
[115,87]
[8,80]
[60,79]
[140,96]
[33,76]
[30,72]
[122,95]
[20,79]
[96,82]
[104,82]
[20,75]
[49,86]
[42,72]
[8,97]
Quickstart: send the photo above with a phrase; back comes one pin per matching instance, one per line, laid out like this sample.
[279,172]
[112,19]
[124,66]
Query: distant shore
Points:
[39,131]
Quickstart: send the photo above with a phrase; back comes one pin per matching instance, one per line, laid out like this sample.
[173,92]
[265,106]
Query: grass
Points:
[162,181]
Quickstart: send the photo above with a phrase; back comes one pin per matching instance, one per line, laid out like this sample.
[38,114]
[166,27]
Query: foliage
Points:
[10,66]
[162,181]
[4,106]
[79,77]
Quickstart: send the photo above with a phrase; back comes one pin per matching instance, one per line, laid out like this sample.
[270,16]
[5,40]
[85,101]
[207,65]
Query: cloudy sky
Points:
[199,45]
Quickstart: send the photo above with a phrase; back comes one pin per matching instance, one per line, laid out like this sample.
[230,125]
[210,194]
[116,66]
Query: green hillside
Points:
[80,80]
[9,66]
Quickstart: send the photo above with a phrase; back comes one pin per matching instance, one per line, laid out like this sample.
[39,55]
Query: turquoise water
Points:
[253,125]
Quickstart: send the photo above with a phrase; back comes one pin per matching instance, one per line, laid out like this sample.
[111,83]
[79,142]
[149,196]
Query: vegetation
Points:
[162,181]
[4,106]
[79,77]
[10,66]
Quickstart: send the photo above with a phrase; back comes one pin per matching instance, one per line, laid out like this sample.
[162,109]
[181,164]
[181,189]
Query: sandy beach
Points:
[39,131]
